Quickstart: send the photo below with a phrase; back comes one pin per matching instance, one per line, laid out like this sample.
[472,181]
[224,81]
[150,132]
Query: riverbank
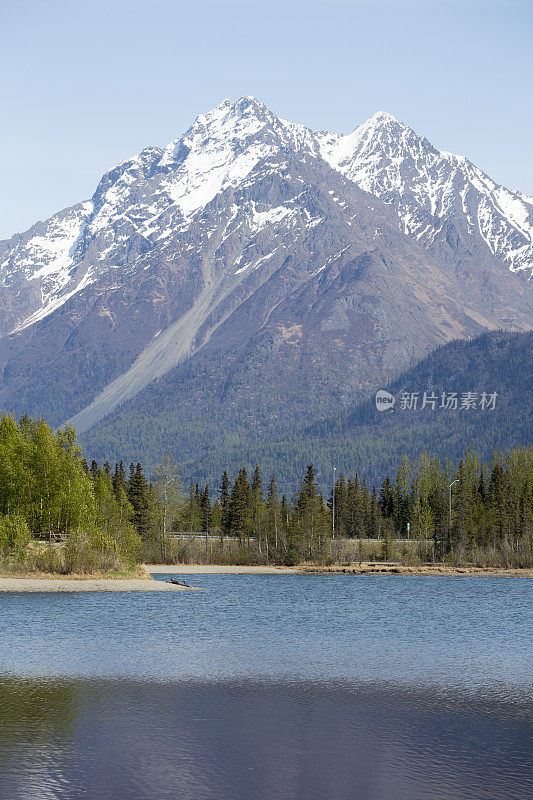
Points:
[140,581]
[365,568]
[218,569]
[146,583]
[376,568]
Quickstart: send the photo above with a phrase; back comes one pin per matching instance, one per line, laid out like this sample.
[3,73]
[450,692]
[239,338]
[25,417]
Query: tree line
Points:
[113,514]
[452,510]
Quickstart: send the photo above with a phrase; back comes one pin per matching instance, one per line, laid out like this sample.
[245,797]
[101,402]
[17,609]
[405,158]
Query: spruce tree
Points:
[139,497]
[205,508]
[256,499]
[240,506]
[374,516]
[224,496]
[119,479]
[273,509]
[386,498]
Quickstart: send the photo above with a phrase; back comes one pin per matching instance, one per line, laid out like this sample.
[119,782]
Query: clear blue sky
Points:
[87,83]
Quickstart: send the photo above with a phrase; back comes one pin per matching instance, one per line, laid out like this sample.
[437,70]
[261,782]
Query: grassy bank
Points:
[78,559]
[409,553]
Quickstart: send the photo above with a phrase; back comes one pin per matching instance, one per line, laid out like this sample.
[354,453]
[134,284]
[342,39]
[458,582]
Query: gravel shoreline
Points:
[88,585]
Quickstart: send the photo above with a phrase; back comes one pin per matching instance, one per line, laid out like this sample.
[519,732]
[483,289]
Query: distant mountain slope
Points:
[357,438]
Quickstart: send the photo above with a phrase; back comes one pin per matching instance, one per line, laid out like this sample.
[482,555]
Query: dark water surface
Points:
[282,687]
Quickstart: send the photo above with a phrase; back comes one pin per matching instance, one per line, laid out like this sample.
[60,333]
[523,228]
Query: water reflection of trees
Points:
[241,740]
[38,720]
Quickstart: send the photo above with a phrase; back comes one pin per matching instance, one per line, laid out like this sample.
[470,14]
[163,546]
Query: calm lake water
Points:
[280,687]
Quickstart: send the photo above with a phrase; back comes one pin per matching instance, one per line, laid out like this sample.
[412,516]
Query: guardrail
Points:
[216,538]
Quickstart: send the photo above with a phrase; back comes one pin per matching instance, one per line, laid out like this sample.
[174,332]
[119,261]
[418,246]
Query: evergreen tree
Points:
[139,497]
[273,511]
[257,507]
[386,498]
[374,516]
[119,479]
[224,495]
[205,508]
[240,506]
[496,504]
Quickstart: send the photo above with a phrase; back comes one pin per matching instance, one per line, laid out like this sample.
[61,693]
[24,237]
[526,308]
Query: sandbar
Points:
[88,585]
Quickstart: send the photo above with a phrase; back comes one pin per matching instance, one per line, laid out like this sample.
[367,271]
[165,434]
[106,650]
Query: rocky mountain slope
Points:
[255,271]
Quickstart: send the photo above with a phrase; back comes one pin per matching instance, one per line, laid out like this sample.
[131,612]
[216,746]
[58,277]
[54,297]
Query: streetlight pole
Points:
[333,503]
[334,545]
[449,515]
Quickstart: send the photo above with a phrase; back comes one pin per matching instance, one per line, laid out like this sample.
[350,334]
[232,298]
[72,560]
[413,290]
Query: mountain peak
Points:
[231,121]
[381,117]
[381,133]
[249,101]
[423,184]
[230,114]
[384,128]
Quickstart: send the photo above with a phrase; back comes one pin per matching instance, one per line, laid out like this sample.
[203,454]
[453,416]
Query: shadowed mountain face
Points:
[256,271]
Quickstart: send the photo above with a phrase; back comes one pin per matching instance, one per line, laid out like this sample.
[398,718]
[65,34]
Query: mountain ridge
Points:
[251,234]
[351,154]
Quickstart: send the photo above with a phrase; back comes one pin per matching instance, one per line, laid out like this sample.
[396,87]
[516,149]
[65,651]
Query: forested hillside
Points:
[358,439]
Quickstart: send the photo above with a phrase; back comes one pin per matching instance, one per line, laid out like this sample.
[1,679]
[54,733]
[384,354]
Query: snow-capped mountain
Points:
[429,188]
[145,199]
[140,203]
[252,247]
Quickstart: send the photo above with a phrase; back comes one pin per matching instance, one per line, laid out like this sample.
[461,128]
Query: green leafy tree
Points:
[168,495]
[14,534]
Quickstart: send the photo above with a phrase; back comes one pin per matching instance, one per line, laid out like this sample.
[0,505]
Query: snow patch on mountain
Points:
[260,219]
[48,254]
[54,302]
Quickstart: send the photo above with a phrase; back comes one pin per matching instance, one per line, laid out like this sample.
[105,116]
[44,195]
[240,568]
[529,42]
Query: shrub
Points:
[14,533]
[94,551]
[291,558]
[44,559]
